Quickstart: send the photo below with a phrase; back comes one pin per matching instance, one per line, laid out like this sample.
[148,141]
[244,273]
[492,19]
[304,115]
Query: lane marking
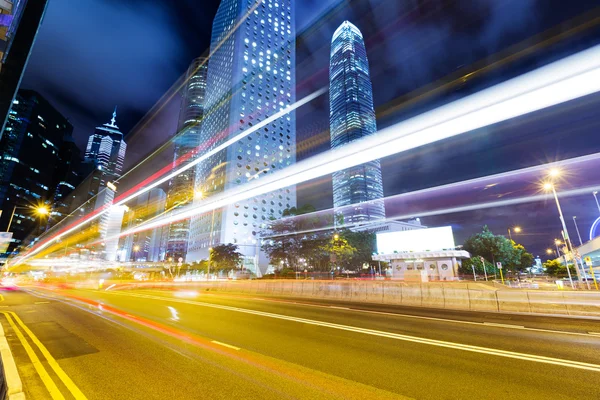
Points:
[37,364]
[225,345]
[1,298]
[594,333]
[397,336]
[42,302]
[66,380]
[454,321]
[504,325]
[339,308]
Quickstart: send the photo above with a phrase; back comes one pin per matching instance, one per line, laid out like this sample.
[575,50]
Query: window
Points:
[445,267]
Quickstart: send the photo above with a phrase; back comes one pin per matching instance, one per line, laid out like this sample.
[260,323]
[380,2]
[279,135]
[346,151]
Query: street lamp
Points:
[516,229]
[40,210]
[549,186]
[136,248]
[549,251]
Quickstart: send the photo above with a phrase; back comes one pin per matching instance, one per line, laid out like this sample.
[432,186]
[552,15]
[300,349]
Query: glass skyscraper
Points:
[251,76]
[357,191]
[181,188]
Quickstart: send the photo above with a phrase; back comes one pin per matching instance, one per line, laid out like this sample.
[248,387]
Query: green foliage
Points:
[225,257]
[341,252]
[555,268]
[495,248]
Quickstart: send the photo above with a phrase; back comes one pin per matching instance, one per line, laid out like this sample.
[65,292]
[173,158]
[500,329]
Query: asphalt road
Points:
[151,344]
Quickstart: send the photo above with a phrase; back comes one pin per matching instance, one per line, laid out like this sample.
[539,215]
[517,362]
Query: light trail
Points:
[570,78]
[567,79]
[173,174]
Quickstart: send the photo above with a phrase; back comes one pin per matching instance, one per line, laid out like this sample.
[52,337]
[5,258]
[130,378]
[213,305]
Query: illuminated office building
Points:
[19,25]
[357,191]
[186,142]
[251,76]
[106,149]
[30,161]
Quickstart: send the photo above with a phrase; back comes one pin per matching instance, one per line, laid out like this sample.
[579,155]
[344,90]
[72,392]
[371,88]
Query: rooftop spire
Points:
[114,118]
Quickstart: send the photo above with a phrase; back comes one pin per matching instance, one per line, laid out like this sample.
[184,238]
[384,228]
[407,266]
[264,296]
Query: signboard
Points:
[499,265]
[427,239]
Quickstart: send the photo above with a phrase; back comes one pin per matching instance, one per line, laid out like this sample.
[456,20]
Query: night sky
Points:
[94,54]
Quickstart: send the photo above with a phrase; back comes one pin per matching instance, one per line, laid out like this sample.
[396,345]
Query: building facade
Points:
[19,25]
[145,245]
[357,191]
[187,141]
[29,160]
[251,77]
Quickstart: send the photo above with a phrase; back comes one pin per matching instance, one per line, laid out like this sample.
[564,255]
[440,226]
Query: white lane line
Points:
[454,321]
[339,308]
[225,345]
[396,336]
[504,325]
[594,333]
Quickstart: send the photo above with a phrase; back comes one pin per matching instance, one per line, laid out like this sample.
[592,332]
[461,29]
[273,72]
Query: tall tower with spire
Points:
[106,149]
[357,191]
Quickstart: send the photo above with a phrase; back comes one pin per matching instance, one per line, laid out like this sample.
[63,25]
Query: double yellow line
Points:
[16,324]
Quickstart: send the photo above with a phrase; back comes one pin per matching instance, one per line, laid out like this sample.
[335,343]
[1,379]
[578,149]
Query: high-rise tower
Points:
[106,148]
[251,76]
[357,191]
[181,188]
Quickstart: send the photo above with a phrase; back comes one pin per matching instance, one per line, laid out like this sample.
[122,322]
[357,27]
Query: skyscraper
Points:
[357,191]
[106,148]
[106,151]
[29,158]
[181,188]
[251,76]
[19,24]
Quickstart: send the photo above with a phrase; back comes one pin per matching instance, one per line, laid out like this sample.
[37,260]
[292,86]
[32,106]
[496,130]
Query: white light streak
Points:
[573,77]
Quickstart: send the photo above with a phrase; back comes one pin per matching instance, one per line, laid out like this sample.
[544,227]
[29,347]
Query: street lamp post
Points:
[41,211]
[597,203]
[516,229]
[556,243]
[550,186]
[577,229]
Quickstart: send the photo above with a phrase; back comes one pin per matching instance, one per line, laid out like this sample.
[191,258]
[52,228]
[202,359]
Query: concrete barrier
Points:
[456,297]
[482,300]
[513,301]
[451,295]
[392,293]
[432,295]
[582,303]
[411,295]
[547,302]
[375,292]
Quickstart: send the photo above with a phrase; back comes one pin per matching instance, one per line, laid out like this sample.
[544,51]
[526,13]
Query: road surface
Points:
[155,344]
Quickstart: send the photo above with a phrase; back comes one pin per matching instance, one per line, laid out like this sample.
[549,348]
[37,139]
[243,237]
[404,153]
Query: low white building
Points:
[434,265]
[420,255]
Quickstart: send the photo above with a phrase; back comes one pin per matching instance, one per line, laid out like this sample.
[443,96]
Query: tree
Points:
[365,244]
[225,257]
[495,248]
[341,253]
[555,268]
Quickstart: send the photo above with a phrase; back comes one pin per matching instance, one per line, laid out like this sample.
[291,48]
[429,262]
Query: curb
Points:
[13,380]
